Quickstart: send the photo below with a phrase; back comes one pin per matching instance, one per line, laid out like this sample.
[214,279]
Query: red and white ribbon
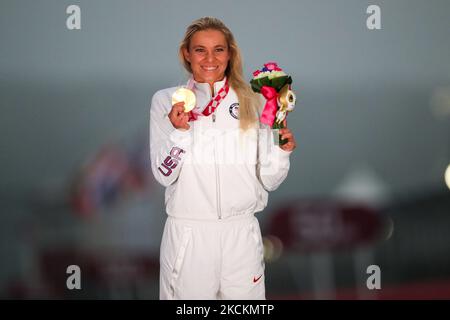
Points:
[212,104]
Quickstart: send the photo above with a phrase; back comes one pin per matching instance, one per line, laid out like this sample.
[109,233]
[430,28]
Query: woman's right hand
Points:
[178,117]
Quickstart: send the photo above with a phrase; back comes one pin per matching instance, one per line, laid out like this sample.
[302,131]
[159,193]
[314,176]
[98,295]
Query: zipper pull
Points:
[214,117]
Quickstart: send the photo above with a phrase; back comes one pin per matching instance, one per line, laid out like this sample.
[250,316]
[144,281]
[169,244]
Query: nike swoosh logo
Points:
[256,279]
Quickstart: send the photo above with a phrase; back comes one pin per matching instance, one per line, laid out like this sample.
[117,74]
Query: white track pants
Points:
[220,259]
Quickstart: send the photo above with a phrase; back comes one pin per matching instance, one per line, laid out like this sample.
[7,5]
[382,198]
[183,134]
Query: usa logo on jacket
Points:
[234,110]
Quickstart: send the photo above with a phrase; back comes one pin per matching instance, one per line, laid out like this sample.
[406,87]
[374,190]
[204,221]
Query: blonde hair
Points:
[248,100]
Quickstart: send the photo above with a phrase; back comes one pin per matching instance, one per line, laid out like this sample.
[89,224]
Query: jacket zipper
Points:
[215,164]
[217,172]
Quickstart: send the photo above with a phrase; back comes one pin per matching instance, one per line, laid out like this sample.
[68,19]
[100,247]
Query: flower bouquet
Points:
[275,86]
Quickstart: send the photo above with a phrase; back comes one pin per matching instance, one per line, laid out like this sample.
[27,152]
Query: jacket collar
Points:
[205,88]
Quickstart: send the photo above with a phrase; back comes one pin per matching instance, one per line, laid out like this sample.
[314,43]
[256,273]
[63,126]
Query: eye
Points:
[220,49]
[199,50]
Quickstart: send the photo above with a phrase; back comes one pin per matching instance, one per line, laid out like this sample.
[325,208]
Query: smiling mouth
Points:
[210,68]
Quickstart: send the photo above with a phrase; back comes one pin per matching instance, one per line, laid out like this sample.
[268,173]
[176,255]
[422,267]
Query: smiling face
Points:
[208,55]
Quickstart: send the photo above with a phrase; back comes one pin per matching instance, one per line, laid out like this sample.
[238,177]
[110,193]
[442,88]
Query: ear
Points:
[186,55]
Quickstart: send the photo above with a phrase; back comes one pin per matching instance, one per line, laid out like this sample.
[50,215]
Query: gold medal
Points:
[185,95]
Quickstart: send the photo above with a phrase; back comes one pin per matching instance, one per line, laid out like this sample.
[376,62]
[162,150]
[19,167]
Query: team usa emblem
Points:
[234,110]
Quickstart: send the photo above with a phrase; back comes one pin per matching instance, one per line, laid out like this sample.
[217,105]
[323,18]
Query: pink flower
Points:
[277,69]
[256,73]
[271,65]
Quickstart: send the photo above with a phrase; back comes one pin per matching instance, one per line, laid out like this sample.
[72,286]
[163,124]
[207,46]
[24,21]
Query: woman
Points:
[217,165]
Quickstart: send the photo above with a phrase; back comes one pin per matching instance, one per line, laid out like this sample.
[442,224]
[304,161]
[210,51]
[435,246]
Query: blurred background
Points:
[367,185]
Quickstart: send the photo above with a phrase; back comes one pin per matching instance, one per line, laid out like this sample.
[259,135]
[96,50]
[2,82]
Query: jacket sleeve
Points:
[272,162]
[168,146]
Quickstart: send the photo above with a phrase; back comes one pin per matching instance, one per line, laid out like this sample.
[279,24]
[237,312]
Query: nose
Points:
[209,56]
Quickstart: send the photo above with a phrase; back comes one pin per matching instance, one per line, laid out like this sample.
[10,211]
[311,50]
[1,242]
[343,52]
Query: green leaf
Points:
[255,86]
[276,83]
[279,82]
[264,81]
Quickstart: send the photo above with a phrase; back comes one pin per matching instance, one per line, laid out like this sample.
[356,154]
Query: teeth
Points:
[210,68]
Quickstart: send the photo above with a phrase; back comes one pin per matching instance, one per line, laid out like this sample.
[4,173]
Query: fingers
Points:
[289,146]
[184,118]
[178,108]
[182,121]
[286,134]
[285,131]
[289,138]
[184,127]
[178,117]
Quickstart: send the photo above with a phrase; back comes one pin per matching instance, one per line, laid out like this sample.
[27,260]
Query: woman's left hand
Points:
[286,133]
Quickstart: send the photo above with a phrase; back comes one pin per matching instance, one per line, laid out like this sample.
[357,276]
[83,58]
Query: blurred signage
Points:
[321,225]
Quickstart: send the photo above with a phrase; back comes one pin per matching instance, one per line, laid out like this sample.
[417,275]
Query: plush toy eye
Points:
[291,97]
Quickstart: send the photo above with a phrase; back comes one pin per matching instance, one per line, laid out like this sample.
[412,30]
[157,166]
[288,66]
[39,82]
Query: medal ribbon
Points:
[213,104]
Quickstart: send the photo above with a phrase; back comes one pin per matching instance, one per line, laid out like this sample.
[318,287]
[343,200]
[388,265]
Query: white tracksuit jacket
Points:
[213,170]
